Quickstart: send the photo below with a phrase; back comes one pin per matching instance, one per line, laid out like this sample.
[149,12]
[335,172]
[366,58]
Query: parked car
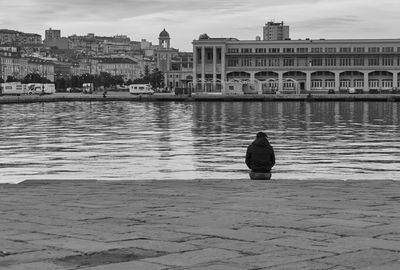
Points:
[331,91]
[351,90]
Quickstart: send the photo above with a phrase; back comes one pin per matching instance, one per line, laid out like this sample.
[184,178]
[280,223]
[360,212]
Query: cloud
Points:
[186,19]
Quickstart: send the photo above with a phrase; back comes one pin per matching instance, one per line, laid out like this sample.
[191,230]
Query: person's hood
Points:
[261,142]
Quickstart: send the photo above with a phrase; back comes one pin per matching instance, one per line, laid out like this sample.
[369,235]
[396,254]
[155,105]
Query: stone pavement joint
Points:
[202,224]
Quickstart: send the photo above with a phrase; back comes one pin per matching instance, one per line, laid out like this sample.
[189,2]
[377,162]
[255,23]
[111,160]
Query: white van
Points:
[12,88]
[140,89]
[40,88]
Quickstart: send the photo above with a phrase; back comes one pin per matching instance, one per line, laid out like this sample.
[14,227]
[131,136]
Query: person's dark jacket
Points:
[260,156]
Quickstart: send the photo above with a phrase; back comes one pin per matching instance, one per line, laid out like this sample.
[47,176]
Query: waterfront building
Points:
[44,68]
[275,31]
[229,64]
[12,64]
[126,67]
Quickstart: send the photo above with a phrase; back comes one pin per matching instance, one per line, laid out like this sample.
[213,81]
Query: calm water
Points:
[167,140]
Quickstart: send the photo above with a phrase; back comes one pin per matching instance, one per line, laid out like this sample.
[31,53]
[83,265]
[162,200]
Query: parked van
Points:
[12,88]
[139,89]
[40,88]
[88,88]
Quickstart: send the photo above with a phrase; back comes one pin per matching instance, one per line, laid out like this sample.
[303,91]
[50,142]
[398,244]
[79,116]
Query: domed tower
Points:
[164,39]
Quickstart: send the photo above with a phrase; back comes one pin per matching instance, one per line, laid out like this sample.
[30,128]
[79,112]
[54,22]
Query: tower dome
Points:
[164,34]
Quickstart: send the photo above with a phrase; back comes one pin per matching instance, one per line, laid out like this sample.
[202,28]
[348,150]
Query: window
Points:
[246,62]
[273,62]
[316,50]
[330,50]
[288,50]
[373,61]
[388,49]
[345,83]
[359,61]
[316,84]
[331,62]
[261,62]
[344,62]
[261,50]
[373,49]
[359,49]
[345,50]
[246,50]
[302,50]
[233,62]
[233,50]
[387,61]
[288,62]
[274,50]
[359,83]
[316,62]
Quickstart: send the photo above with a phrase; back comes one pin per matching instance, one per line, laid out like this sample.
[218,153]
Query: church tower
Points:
[164,54]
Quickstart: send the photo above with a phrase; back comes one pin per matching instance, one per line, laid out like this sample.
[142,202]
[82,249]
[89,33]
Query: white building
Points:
[296,65]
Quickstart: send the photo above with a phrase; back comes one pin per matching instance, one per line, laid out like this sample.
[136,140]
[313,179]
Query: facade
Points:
[18,38]
[296,65]
[11,64]
[52,34]
[176,66]
[180,75]
[42,67]
[275,31]
[127,68]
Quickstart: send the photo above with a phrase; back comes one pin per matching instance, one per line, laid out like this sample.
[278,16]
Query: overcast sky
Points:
[185,20]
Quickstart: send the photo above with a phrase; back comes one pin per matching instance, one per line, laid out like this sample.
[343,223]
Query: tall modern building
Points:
[52,34]
[275,31]
[295,65]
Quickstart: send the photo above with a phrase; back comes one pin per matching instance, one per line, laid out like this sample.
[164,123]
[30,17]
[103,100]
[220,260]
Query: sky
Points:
[185,20]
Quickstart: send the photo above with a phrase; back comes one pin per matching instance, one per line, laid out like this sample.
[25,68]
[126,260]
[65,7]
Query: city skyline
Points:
[186,20]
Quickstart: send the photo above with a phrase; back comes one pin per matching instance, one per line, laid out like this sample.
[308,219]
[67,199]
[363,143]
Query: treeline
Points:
[30,78]
[104,79]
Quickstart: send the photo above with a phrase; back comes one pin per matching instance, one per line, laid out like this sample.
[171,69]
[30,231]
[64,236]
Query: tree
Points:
[1,80]
[35,78]
[11,79]
[156,78]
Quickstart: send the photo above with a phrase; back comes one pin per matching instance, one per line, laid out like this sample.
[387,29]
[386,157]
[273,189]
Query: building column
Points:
[366,87]
[337,81]
[223,77]
[215,68]
[194,68]
[308,81]
[252,76]
[395,78]
[280,81]
[203,66]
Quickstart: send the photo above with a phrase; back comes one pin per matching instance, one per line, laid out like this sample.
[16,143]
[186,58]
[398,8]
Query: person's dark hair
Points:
[261,135]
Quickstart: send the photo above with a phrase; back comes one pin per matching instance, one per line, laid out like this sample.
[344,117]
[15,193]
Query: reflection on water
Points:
[204,140]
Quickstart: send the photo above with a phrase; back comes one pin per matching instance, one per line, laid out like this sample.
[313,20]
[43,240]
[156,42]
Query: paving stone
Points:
[307,265]
[192,258]
[281,257]
[34,266]
[218,266]
[389,266]
[75,244]
[275,224]
[363,258]
[128,266]
[170,247]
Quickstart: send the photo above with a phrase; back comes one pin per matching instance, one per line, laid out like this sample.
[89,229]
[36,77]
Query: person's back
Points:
[260,158]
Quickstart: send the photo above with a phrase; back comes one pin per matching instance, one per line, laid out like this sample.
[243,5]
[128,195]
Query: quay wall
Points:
[62,97]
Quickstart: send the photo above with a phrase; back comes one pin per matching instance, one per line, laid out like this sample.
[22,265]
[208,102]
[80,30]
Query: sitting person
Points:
[260,158]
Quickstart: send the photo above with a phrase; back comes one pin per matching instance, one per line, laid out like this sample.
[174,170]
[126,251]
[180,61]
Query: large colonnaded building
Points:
[229,65]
